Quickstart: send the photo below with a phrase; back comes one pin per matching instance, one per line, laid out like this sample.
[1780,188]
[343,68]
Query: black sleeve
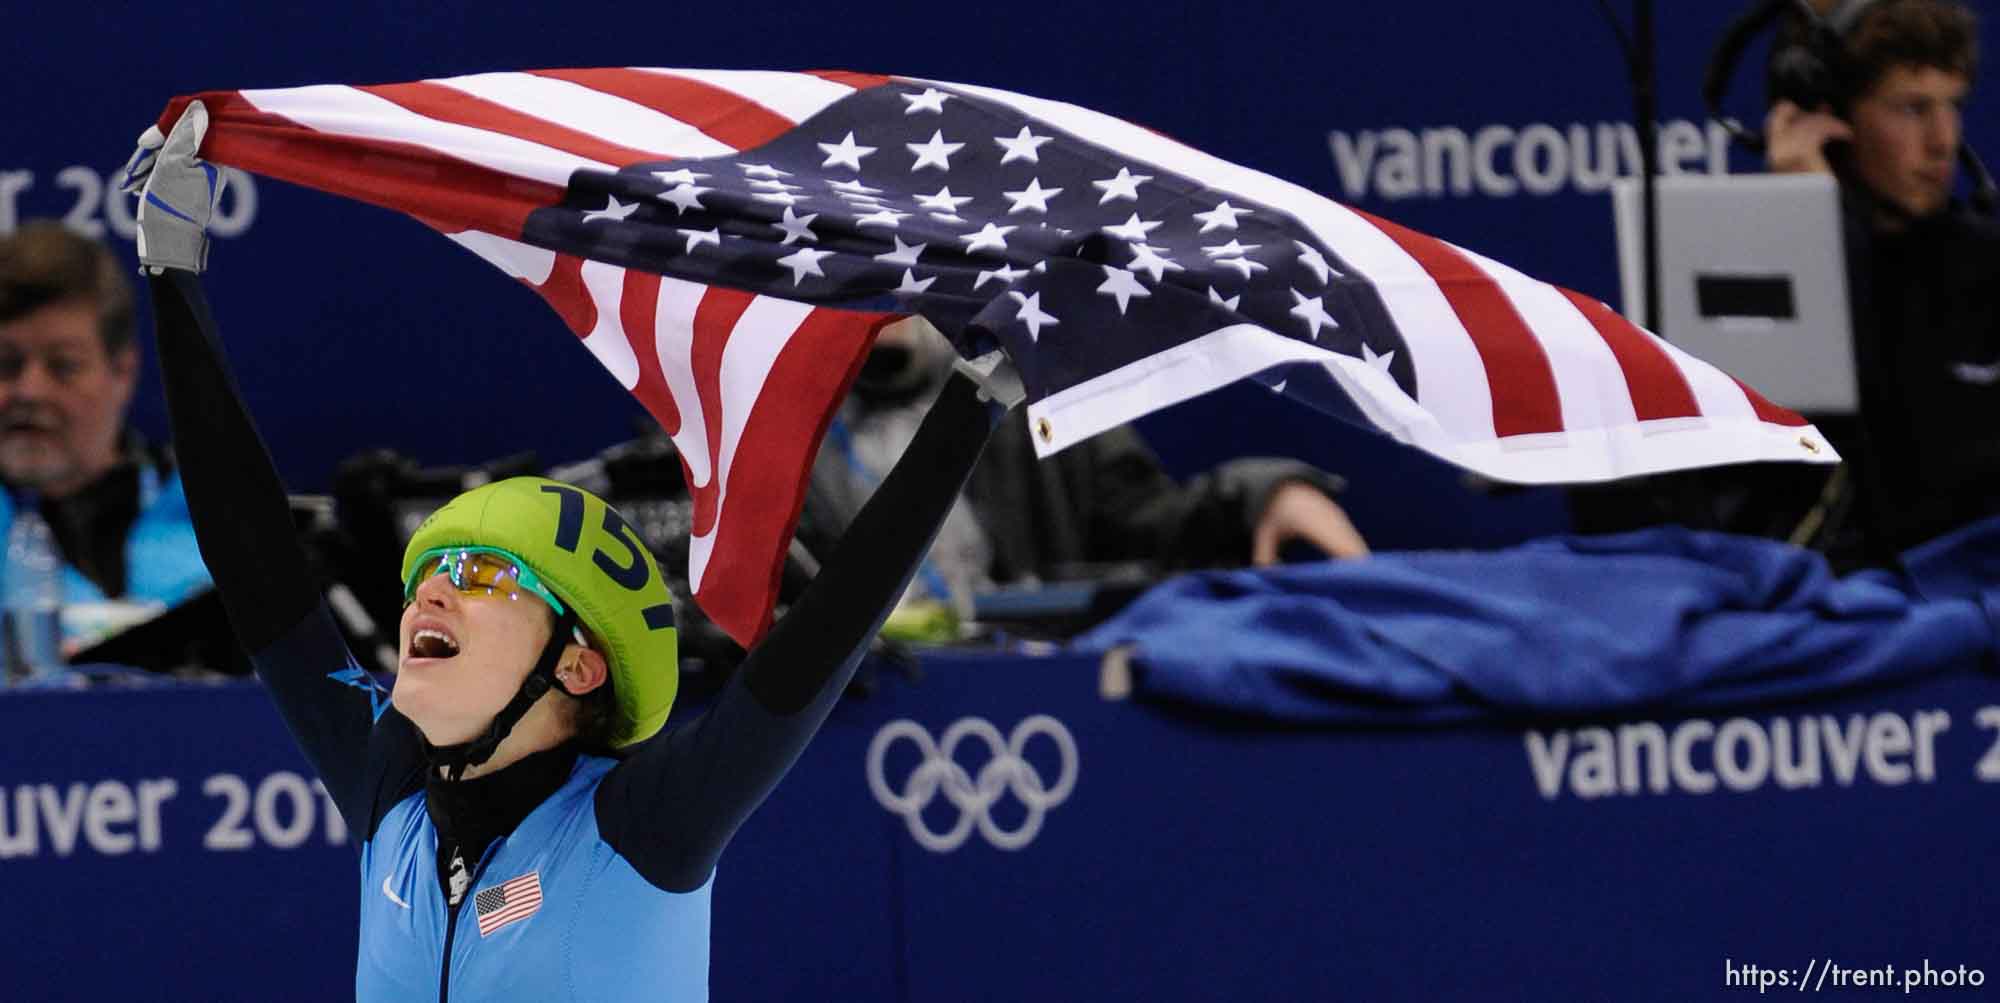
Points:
[672,807]
[243,522]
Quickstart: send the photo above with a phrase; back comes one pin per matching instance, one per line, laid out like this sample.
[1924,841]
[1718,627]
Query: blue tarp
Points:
[1571,625]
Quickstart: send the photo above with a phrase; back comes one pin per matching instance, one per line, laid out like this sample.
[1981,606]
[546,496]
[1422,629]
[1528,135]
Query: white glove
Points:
[178,193]
[996,376]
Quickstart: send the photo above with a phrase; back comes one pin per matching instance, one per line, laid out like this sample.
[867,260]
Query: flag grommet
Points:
[1044,429]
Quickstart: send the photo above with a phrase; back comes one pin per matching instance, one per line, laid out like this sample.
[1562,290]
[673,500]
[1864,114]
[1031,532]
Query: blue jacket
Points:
[1664,615]
[162,561]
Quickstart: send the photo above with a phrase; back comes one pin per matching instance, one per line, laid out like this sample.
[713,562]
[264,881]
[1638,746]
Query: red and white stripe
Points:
[1516,379]
[523,897]
[728,374]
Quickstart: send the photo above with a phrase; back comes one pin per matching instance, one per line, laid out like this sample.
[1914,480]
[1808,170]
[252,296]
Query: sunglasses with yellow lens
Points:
[480,572]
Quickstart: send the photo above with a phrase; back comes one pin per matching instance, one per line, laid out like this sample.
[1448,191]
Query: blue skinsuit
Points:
[590,896]
[622,852]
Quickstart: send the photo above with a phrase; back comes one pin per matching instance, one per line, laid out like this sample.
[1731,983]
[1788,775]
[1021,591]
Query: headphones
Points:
[1811,68]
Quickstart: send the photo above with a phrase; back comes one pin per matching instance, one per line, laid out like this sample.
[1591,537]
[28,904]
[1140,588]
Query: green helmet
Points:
[594,562]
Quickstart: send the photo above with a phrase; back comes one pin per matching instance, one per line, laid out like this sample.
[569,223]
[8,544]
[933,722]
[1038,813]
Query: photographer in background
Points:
[1924,270]
[1022,519]
[67,369]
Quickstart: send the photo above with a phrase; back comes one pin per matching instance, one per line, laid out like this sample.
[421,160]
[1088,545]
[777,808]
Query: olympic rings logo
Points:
[1007,770]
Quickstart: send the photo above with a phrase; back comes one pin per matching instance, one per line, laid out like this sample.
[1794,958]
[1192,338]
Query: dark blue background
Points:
[346,321]
[1192,861]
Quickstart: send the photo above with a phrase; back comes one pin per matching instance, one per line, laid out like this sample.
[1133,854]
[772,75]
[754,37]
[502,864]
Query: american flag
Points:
[509,902]
[728,242]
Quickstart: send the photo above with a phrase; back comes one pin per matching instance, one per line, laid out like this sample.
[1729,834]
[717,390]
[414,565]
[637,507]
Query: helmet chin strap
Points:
[452,760]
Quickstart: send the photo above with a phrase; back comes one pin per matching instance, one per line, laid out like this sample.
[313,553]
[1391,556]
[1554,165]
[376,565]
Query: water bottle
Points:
[33,599]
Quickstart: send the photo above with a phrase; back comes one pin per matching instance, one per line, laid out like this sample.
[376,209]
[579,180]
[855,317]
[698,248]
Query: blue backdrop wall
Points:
[1496,126]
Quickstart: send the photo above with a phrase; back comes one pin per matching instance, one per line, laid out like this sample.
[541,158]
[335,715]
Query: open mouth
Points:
[431,643]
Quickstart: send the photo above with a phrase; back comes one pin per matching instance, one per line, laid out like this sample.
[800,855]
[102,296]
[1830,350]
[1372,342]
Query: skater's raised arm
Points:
[238,504]
[673,806]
